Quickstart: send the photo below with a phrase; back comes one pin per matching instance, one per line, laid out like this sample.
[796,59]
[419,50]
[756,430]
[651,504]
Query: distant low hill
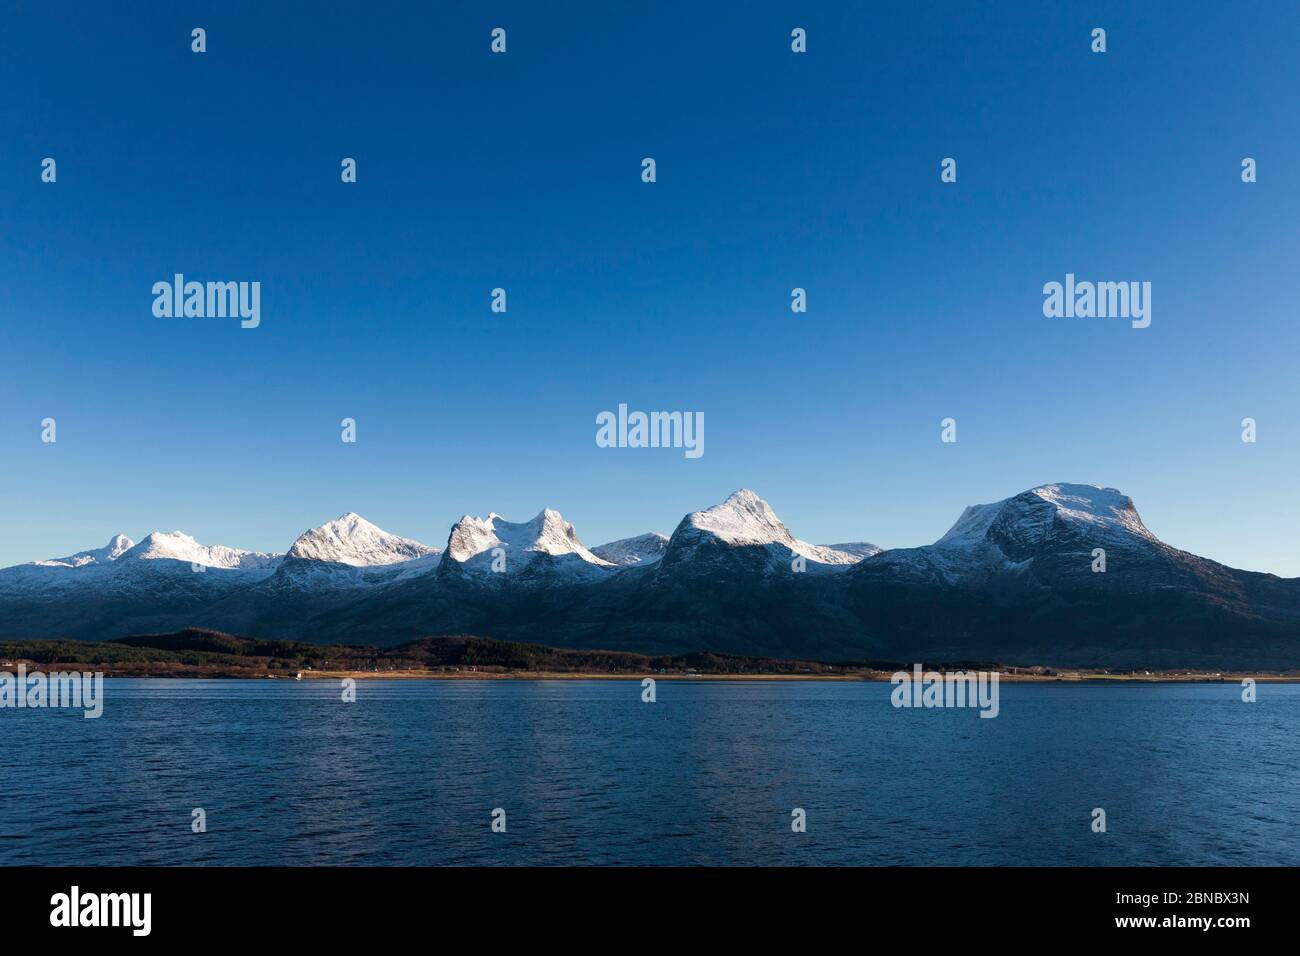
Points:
[199,652]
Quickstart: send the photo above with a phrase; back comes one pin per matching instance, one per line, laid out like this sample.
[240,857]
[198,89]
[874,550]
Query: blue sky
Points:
[775,170]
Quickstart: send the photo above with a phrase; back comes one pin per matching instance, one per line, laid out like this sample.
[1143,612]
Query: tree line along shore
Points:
[200,653]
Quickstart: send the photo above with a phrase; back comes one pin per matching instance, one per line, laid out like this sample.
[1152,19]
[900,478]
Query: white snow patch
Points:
[630,552]
[859,549]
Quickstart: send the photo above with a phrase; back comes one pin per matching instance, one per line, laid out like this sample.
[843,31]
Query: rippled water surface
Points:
[587,773]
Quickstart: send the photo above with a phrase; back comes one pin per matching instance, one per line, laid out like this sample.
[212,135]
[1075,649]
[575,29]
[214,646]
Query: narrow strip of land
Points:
[197,653]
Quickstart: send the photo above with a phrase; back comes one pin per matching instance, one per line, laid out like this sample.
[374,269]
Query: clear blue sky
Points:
[523,171]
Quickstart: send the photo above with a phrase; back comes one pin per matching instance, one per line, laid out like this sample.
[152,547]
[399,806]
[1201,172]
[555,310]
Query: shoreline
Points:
[1060,677]
[196,654]
[1079,677]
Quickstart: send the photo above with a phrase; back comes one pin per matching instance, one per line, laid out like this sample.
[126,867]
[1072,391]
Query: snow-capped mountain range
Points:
[475,544]
[1016,578]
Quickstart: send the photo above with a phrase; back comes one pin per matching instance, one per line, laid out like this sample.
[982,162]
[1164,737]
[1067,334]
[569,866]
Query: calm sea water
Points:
[587,773]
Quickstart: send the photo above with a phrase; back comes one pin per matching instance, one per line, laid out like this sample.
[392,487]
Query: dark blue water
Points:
[587,773]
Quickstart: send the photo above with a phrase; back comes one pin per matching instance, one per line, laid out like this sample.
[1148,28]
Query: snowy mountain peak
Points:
[351,539]
[117,546]
[473,540]
[178,546]
[1091,503]
[743,519]
[743,498]
[630,552]
[1089,510]
[746,520]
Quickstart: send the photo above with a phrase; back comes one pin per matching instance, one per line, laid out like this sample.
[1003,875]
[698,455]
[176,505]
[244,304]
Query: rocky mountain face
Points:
[1061,574]
[1022,579]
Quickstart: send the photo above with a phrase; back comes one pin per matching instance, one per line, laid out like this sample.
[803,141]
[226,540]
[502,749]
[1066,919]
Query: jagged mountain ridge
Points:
[1010,580]
[498,550]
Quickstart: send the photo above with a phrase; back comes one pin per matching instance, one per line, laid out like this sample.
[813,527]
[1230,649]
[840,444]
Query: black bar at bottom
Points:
[329,905]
